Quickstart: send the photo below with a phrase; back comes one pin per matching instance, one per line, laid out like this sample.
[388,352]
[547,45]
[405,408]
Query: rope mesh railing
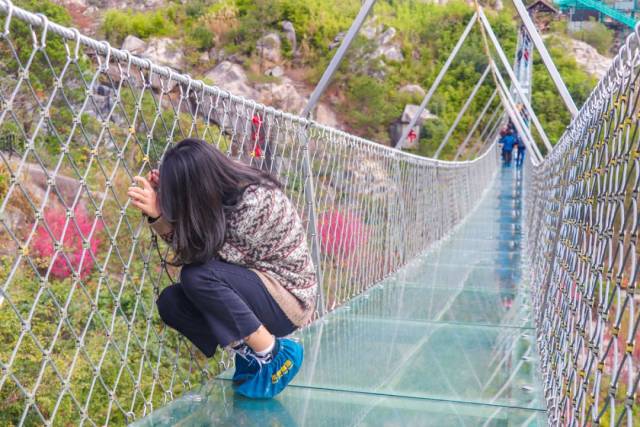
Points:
[79,270]
[583,231]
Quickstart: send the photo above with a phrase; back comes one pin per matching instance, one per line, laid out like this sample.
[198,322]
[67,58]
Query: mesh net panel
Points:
[583,230]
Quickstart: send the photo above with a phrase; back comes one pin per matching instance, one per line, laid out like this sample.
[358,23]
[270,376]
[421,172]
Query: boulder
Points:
[371,28]
[589,59]
[129,4]
[390,53]
[385,47]
[276,71]
[134,45]
[67,187]
[397,128]
[413,89]
[204,58]
[365,177]
[269,48]
[232,78]
[14,219]
[164,51]
[290,34]
[78,3]
[370,32]
[102,102]
[281,164]
[337,40]
[379,71]
[38,185]
[326,116]
[410,110]
[283,95]
[161,51]
[157,83]
[387,36]
[237,58]
[216,55]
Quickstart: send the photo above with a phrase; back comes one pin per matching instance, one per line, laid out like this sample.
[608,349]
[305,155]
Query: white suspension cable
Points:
[437,81]
[546,58]
[475,125]
[463,110]
[514,81]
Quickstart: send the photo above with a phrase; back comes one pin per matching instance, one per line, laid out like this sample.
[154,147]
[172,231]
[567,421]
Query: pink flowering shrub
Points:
[341,233]
[72,246]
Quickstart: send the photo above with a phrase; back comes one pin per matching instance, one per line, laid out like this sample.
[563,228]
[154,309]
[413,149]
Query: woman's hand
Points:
[145,197]
[154,178]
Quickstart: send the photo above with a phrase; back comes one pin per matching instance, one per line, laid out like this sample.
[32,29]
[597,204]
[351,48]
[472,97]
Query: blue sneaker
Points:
[246,366]
[271,377]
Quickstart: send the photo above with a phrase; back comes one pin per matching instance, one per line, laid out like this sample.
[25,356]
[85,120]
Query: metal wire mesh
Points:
[583,231]
[78,267]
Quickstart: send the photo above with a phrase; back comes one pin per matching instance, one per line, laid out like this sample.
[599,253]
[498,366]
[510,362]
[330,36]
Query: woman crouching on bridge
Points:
[247,277]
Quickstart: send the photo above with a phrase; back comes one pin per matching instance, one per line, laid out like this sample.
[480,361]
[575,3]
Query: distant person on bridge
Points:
[508,141]
[247,276]
[521,150]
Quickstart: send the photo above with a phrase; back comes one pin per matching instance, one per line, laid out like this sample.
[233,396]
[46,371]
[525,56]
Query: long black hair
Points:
[199,186]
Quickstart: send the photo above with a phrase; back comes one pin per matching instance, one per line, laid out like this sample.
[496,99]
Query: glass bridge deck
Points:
[446,341]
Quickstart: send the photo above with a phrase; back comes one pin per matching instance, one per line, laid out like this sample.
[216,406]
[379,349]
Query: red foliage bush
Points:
[78,258]
[342,233]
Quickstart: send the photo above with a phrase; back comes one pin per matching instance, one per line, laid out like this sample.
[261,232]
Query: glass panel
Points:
[481,245]
[502,275]
[409,302]
[216,404]
[420,359]
[472,257]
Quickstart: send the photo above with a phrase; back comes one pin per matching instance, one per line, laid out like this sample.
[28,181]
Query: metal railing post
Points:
[309,187]
[437,81]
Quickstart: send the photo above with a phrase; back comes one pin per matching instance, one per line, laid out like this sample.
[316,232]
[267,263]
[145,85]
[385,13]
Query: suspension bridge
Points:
[452,292]
[603,9]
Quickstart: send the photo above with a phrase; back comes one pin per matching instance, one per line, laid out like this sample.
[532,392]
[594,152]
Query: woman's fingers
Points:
[143,205]
[143,182]
[139,197]
[144,198]
[138,193]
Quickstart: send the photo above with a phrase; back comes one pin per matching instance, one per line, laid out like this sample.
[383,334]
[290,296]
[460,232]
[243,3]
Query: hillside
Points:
[275,50]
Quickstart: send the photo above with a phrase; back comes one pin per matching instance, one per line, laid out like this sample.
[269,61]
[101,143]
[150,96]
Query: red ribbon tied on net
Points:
[255,136]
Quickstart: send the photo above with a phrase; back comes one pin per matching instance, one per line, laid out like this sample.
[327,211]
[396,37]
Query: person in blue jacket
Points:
[508,140]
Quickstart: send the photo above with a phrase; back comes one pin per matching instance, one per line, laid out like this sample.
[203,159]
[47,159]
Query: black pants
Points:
[217,303]
[506,156]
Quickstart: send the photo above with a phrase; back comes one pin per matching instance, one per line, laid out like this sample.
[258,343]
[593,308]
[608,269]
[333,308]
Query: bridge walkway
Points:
[448,340]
